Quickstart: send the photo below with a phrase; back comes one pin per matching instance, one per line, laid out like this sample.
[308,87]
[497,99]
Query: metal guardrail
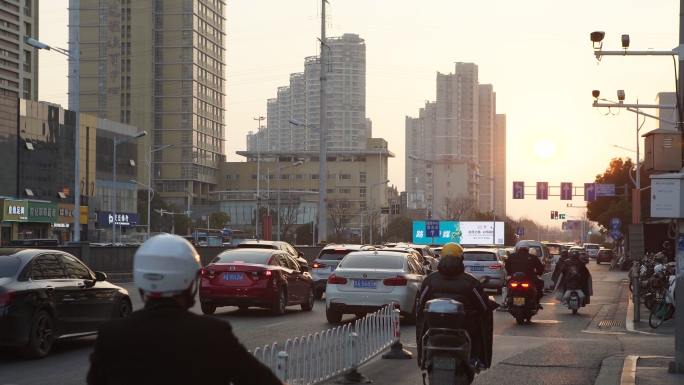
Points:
[311,359]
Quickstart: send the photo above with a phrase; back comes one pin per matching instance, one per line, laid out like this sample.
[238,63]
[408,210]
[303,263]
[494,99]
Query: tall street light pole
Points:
[370,220]
[149,184]
[75,98]
[322,176]
[432,163]
[259,119]
[493,203]
[190,195]
[295,164]
[116,143]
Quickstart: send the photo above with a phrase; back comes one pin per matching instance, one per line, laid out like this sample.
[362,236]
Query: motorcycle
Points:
[521,298]
[575,301]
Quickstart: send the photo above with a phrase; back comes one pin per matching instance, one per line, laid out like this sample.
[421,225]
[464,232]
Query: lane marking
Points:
[276,324]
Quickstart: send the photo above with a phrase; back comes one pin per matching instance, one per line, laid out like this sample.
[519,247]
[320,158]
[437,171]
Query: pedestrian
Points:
[164,343]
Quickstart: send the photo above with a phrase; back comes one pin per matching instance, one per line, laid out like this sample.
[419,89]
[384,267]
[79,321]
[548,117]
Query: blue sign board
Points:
[605,190]
[432,228]
[590,192]
[615,223]
[518,190]
[615,234]
[122,219]
[542,190]
[520,231]
[469,233]
[227,232]
[566,191]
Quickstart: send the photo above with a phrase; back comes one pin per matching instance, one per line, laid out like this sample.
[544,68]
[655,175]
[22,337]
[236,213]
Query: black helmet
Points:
[574,254]
[666,244]
[564,253]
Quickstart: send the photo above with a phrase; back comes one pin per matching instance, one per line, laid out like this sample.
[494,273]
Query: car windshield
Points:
[255,246]
[8,266]
[333,254]
[233,257]
[536,250]
[373,261]
[554,250]
[479,256]
[592,247]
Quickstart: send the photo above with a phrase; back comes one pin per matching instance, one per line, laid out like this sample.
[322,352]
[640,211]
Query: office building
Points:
[158,66]
[346,123]
[457,133]
[18,60]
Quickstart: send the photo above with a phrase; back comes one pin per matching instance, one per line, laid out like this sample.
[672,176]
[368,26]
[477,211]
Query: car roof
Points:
[253,251]
[260,241]
[377,252]
[348,246]
[399,249]
[480,249]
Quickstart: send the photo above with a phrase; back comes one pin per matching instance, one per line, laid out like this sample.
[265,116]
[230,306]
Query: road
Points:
[556,348]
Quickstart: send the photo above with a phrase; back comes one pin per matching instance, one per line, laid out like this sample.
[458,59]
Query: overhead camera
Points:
[596,94]
[621,95]
[597,39]
[625,41]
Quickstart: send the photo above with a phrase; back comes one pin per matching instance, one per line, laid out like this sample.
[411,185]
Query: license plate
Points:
[365,283]
[332,268]
[232,277]
[519,301]
[444,363]
[476,268]
[574,304]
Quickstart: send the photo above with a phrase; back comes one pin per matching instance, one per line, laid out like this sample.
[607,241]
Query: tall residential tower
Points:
[18,60]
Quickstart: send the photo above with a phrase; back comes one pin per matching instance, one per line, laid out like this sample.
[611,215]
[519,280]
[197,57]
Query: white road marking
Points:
[276,324]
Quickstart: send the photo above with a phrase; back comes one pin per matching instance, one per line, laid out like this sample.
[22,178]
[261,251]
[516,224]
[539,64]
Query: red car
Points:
[604,255]
[264,278]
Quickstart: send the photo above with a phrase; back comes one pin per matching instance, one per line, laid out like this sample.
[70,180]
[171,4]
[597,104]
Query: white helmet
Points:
[658,268]
[165,266]
[523,245]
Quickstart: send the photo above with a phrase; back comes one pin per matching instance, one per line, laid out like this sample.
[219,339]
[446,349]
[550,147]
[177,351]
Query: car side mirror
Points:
[100,276]
[299,253]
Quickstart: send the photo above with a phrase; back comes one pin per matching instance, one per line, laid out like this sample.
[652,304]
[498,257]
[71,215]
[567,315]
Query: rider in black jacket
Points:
[522,261]
[451,281]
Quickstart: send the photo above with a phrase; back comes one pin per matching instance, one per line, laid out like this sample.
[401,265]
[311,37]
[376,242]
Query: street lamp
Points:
[432,162]
[295,164]
[370,221]
[322,179]
[149,183]
[493,201]
[75,56]
[259,119]
[190,195]
[116,143]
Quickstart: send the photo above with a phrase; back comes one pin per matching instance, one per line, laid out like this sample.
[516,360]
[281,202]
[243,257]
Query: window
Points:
[237,176]
[331,190]
[345,176]
[75,269]
[362,192]
[362,177]
[229,176]
[332,176]
[27,89]
[252,177]
[47,267]
[313,176]
[344,191]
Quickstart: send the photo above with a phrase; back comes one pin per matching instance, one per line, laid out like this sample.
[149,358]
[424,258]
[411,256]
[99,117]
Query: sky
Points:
[536,53]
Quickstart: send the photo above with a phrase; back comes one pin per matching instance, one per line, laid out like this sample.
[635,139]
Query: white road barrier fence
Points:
[311,359]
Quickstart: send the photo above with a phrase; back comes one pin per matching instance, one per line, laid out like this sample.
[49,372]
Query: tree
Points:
[305,234]
[400,229]
[289,212]
[219,220]
[339,216]
[457,209]
[605,208]
[156,219]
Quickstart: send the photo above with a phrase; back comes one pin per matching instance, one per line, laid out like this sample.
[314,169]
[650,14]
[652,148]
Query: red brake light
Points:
[317,265]
[514,284]
[268,273]
[7,297]
[495,267]
[525,284]
[335,280]
[398,281]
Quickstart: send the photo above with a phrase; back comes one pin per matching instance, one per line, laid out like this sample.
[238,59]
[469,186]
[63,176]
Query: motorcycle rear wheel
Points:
[519,315]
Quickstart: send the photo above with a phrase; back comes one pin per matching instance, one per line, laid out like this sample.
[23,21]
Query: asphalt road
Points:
[556,348]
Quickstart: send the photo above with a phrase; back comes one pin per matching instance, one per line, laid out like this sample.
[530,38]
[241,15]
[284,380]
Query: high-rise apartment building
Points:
[345,123]
[500,162]
[159,66]
[18,60]
[458,134]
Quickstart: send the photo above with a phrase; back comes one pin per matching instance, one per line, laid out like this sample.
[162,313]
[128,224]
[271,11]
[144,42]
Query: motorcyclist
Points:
[559,266]
[524,262]
[668,251]
[575,277]
[451,281]
[164,343]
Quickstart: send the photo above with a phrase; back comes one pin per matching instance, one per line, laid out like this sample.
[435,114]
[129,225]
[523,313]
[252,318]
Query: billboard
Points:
[468,233]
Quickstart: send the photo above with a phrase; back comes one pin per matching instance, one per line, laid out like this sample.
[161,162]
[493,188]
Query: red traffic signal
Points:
[552,215]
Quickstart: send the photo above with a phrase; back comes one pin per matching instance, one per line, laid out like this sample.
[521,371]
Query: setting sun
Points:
[545,148]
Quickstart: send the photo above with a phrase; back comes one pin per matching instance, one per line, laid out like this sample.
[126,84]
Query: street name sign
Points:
[605,190]
[432,228]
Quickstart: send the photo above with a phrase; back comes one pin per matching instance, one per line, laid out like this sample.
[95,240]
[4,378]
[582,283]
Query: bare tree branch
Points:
[457,209]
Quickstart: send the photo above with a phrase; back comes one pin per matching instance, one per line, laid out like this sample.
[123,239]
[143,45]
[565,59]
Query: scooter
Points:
[521,298]
[575,301]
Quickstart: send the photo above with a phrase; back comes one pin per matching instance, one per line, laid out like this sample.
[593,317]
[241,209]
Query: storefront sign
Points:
[42,212]
[122,219]
[66,214]
[84,215]
[15,210]
[61,225]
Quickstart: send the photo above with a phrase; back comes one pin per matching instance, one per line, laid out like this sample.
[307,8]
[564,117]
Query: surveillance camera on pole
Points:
[597,39]
[596,94]
[625,41]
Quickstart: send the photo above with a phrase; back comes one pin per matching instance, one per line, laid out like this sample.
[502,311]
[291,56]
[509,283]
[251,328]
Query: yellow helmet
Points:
[452,249]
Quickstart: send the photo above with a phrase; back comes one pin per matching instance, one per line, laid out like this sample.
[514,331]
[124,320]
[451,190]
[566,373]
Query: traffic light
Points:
[553,216]
[589,232]
[561,216]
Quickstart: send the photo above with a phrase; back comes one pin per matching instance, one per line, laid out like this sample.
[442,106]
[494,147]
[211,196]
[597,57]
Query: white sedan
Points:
[366,281]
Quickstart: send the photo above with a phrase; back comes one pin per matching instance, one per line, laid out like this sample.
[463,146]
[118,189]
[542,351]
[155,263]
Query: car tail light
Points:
[7,297]
[495,267]
[514,284]
[208,273]
[335,280]
[525,285]
[255,275]
[317,265]
[398,281]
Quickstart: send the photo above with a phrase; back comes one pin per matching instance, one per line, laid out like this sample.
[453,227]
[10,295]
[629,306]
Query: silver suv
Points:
[327,261]
[592,249]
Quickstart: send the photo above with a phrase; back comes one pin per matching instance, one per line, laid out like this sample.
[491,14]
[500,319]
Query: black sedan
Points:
[48,295]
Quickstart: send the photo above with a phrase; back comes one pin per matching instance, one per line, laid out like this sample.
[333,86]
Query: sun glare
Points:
[545,148]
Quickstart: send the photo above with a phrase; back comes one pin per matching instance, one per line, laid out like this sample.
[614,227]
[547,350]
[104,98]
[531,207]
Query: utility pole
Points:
[259,120]
[322,171]
[677,366]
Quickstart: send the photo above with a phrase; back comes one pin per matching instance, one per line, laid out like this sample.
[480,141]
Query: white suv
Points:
[327,261]
[592,249]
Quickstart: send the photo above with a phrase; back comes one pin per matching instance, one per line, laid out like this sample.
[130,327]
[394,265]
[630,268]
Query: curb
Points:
[629,369]
[629,321]
[611,370]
